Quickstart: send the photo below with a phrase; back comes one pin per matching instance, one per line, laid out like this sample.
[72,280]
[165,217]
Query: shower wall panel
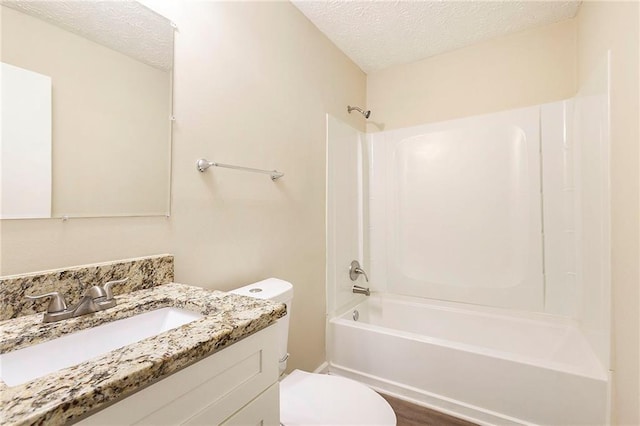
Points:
[344,211]
[462,210]
[593,194]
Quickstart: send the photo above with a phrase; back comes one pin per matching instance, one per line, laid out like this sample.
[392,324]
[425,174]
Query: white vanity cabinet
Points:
[236,386]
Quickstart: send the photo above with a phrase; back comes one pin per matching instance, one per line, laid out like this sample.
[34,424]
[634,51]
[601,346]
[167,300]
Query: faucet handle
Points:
[56,304]
[362,272]
[356,270]
[107,287]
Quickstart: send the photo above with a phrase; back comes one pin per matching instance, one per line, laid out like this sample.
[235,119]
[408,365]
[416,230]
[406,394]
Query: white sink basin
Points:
[35,361]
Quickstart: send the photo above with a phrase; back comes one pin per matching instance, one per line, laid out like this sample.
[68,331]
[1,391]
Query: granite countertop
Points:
[69,393]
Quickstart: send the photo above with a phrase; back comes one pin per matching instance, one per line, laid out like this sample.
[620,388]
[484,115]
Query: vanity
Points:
[219,367]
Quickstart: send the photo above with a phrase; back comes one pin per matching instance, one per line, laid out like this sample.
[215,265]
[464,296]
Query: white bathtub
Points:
[488,365]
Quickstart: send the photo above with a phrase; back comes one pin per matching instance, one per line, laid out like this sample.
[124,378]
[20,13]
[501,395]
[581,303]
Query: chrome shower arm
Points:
[366,113]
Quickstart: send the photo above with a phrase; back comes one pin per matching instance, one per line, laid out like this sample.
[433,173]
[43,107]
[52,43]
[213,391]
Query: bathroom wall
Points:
[603,26]
[527,68]
[29,245]
[253,84]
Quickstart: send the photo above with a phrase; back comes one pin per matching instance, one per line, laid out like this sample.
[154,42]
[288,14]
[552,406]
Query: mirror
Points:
[86,109]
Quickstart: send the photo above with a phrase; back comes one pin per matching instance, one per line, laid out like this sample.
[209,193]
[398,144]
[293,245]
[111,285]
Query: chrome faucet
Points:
[361,290]
[354,272]
[95,299]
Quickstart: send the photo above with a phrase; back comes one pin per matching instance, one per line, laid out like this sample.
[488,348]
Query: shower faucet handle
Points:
[355,270]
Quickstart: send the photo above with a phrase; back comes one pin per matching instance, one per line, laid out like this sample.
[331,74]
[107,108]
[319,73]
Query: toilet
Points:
[317,399]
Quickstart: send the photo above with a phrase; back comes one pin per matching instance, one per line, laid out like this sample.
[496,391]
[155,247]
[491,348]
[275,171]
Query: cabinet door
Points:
[218,385]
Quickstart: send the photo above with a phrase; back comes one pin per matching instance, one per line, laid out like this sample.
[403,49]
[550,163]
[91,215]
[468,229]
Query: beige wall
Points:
[602,26]
[253,82]
[41,244]
[110,121]
[526,68]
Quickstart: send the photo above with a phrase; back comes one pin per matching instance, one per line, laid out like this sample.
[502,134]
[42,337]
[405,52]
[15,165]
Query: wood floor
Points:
[409,414]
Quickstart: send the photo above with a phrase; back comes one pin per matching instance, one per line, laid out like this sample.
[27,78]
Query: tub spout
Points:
[361,290]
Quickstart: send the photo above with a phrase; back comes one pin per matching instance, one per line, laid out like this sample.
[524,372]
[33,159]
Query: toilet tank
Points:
[275,290]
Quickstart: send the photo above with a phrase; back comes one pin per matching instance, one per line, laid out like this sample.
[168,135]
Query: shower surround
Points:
[486,242]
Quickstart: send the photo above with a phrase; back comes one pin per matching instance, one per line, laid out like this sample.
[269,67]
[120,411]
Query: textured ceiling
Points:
[125,26]
[379,34]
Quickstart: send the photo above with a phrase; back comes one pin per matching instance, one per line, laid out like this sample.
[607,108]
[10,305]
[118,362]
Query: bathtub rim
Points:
[485,310]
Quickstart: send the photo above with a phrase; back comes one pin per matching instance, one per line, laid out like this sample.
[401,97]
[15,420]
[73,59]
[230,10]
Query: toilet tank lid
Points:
[270,289]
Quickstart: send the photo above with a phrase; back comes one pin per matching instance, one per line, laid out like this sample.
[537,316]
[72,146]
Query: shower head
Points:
[366,113]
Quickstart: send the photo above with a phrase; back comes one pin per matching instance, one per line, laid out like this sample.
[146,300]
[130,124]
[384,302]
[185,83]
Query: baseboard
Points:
[322,368]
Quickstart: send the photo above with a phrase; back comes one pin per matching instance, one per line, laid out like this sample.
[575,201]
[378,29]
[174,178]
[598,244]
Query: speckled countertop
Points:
[67,394]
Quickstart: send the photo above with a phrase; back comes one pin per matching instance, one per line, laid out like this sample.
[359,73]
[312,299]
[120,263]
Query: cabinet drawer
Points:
[218,385]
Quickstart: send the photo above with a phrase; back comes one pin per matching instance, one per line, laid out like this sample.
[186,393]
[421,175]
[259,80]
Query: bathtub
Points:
[487,365]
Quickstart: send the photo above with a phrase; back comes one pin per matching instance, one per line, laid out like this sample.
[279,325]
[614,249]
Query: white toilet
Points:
[317,399]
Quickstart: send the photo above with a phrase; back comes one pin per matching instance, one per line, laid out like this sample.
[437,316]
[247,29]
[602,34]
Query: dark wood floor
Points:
[409,414]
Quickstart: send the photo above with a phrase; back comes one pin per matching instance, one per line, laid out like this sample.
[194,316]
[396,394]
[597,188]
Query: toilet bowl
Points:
[317,399]
[321,399]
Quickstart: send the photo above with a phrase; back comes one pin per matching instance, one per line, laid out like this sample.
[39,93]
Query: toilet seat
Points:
[320,399]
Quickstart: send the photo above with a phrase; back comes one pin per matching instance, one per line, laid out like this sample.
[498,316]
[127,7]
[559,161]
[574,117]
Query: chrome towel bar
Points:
[204,164]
